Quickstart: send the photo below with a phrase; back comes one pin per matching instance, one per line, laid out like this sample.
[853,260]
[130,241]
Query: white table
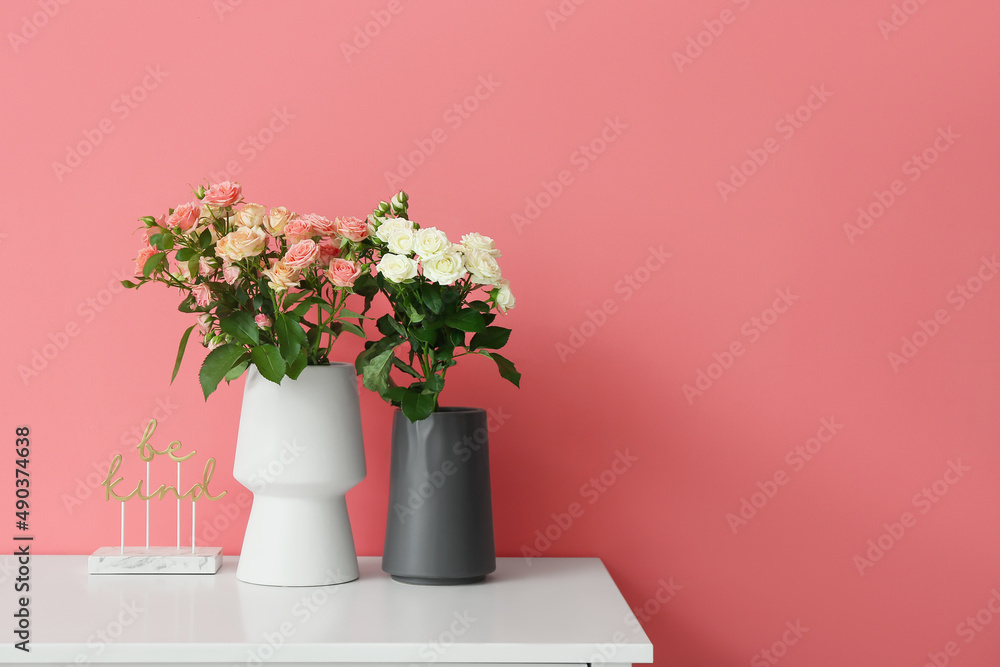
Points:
[546,611]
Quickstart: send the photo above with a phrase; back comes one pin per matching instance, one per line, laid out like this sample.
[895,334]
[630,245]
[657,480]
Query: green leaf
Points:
[480,306]
[205,240]
[394,395]
[405,367]
[353,328]
[184,254]
[148,220]
[242,327]
[376,370]
[162,241]
[268,360]
[236,371]
[152,263]
[491,337]
[417,405]
[424,335]
[366,286]
[506,368]
[297,365]
[194,266]
[434,384]
[216,365]
[291,336]
[344,312]
[300,310]
[128,284]
[180,352]
[390,327]
[466,320]
[431,297]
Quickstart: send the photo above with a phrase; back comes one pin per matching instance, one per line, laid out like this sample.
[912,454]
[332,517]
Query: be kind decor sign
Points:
[158,559]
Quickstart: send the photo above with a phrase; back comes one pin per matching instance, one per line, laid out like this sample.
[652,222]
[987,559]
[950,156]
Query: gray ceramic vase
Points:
[440,525]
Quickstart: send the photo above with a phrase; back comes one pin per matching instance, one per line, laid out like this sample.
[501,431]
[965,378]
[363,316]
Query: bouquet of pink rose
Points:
[269,286]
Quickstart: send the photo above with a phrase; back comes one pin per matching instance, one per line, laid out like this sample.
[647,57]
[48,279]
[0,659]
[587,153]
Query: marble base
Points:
[155,560]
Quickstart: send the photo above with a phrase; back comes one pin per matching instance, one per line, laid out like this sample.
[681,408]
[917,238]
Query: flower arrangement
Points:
[442,296]
[268,286]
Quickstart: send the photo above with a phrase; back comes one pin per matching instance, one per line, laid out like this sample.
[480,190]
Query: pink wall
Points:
[790,313]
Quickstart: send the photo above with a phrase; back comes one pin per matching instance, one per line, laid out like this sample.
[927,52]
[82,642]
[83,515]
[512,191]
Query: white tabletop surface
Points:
[544,610]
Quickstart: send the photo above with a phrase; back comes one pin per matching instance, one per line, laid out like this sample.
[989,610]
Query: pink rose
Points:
[230,272]
[205,323]
[222,194]
[302,254]
[202,295]
[185,216]
[263,321]
[298,229]
[321,226]
[145,252]
[329,248]
[205,267]
[352,228]
[343,272]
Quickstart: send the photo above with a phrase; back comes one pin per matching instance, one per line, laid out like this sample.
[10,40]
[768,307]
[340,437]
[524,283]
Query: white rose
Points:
[400,241]
[444,269]
[479,242]
[482,266]
[281,277]
[397,268]
[242,243]
[504,299]
[277,219]
[388,226]
[431,242]
[251,215]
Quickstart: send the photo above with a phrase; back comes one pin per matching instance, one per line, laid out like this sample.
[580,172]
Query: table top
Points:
[541,610]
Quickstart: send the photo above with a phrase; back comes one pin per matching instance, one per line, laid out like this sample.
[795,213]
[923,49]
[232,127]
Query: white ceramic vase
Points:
[299,451]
